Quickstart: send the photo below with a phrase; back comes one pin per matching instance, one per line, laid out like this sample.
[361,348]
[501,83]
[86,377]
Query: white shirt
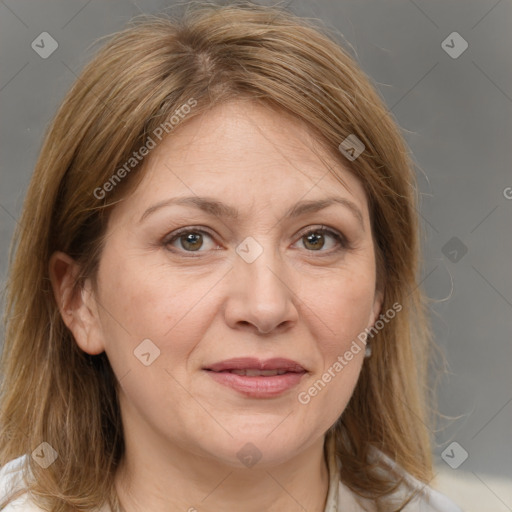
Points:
[339,498]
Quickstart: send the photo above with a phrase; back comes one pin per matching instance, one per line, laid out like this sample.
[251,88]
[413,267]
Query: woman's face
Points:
[187,292]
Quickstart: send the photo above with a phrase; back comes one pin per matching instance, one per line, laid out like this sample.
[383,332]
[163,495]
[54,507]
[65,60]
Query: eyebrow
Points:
[222,210]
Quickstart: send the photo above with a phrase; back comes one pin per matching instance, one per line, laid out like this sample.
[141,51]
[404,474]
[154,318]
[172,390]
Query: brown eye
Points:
[190,240]
[316,240]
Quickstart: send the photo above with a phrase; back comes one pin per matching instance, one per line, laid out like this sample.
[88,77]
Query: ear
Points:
[78,309]
[376,308]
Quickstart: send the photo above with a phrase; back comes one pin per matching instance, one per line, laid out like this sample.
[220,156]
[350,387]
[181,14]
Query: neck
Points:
[180,481]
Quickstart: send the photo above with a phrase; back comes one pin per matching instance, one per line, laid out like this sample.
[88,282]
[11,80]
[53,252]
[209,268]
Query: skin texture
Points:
[299,299]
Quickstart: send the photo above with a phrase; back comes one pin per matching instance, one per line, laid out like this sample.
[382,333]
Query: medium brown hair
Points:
[54,392]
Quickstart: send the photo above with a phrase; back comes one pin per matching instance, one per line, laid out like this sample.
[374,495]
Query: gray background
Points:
[456,114]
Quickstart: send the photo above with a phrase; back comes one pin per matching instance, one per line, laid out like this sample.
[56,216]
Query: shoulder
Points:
[427,500]
[422,498]
[11,480]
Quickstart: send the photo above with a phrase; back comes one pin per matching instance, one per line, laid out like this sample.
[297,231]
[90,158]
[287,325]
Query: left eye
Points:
[315,239]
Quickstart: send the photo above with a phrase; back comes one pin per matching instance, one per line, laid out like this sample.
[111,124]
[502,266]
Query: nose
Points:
[260,295]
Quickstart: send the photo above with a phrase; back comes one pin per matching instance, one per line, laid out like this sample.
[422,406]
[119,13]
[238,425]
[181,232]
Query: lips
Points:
[255,378]
[258,373]
[255,367]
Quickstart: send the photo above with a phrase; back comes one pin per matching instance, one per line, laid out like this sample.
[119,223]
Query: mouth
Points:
[256,378]
[253,365]
[256,373]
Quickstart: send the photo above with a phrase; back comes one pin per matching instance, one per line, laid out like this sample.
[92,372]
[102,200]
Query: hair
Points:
[51,390]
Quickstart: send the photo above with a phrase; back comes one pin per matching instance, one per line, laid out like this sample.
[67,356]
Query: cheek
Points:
[343,309]
[341,313]
[144,301]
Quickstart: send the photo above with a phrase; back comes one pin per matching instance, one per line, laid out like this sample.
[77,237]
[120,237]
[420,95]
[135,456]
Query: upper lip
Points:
[252,363]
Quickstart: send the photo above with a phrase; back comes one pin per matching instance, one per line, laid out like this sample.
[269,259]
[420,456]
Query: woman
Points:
[212,301]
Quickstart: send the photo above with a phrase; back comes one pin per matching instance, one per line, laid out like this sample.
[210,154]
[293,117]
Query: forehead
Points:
[246,153]
[253,132]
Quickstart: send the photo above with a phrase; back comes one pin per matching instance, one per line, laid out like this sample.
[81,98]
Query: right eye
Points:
[188,240]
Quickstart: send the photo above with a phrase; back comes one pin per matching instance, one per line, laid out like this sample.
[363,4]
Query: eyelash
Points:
[343,243]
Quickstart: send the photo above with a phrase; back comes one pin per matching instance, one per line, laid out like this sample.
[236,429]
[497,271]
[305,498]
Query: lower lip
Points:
[258,387]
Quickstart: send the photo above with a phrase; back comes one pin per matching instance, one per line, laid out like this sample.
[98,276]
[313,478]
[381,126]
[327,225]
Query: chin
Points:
[258,447]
